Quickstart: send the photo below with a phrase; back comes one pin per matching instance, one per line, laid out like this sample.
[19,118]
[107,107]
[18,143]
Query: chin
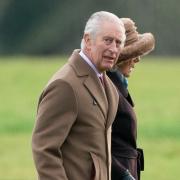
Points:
[106,68]
[126,75]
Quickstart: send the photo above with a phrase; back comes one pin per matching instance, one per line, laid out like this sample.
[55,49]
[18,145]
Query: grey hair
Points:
[94,23]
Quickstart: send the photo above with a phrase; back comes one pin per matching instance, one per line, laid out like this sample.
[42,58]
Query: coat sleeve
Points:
[118,170]
[57,111]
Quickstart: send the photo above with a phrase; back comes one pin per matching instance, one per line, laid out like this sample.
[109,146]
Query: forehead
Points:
[111,29]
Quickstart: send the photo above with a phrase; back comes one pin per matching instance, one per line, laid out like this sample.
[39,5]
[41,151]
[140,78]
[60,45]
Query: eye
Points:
[118,43]
[108,40]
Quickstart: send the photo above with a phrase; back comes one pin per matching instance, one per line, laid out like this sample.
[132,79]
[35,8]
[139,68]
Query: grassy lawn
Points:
[154,86]
[16,158]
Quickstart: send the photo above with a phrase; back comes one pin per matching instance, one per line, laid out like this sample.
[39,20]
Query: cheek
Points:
[98,52]
[126,70]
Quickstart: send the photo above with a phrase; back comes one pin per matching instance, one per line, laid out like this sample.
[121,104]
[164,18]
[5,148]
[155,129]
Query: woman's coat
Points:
[125,154]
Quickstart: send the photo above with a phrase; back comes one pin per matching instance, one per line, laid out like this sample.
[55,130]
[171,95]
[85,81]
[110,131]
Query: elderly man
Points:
[72,135]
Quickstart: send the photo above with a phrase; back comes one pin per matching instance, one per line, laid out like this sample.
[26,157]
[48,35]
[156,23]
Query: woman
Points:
[127,159]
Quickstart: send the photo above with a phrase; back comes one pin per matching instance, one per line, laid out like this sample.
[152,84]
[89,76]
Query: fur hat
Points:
[136,44]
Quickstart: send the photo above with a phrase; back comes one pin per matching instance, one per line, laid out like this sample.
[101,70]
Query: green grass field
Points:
[154,86]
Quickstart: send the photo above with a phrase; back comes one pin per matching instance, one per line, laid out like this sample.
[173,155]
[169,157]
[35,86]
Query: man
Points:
[72,135]
[127,159]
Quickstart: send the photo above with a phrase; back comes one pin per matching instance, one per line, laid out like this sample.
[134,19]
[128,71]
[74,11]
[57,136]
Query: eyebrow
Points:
[117,40]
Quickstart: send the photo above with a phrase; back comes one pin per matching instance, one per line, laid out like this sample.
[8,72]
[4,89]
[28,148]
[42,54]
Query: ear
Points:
[87,41]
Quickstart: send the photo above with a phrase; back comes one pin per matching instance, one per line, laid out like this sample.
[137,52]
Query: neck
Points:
[89,61]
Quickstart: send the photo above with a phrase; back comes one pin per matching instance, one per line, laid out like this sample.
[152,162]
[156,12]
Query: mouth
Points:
[109,59]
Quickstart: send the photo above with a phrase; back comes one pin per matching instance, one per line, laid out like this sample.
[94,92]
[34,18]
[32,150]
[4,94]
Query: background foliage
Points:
[56,26]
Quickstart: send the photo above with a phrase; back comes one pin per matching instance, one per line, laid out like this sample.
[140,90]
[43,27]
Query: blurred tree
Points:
[56,26]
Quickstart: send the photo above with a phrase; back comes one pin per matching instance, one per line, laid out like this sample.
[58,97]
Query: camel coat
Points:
[72,135]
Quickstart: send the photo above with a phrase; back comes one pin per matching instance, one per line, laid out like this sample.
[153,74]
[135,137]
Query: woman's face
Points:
[126,67]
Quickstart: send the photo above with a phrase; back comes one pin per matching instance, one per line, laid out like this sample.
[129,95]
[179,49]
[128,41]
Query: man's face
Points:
[106,46]
[127,66]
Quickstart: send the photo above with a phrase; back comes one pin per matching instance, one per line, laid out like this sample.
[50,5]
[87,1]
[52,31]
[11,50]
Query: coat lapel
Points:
[113,98]
[96,90]
[90,81]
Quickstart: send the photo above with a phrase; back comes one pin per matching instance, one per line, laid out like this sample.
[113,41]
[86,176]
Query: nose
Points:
[113,48]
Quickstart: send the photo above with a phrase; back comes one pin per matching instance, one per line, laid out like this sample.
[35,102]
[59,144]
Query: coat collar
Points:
[113,99]
[114,76]
[107,98]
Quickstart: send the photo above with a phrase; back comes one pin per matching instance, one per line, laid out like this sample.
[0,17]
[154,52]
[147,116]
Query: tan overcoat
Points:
[72,135]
